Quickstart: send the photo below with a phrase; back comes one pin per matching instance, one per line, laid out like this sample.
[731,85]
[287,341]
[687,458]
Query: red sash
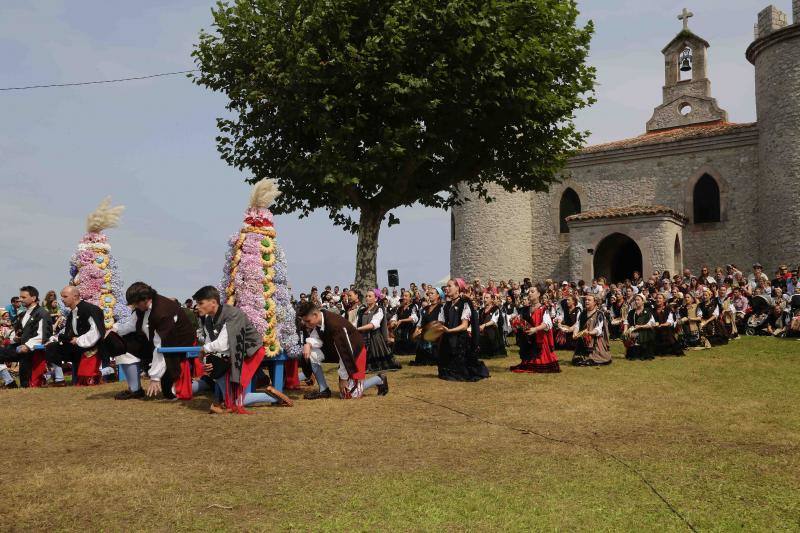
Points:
[183,385]
[292,381]
[88,370]
[38,368]
[361,365]
[234,399]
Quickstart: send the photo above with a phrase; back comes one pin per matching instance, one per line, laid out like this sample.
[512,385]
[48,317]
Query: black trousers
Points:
[9,354]
[58,354]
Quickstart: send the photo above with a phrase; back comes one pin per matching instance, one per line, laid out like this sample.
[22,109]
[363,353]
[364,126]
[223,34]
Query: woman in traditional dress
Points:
[591,335]
[570,310]
[372,324]
[712,331]
[690,318]
[637,334]
[457,361]
[665,341]
[617,311]
[403,324]
[428,352]
[535,337]
[492,343]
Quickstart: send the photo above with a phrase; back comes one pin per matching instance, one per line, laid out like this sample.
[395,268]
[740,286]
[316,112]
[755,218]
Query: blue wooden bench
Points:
[275,363]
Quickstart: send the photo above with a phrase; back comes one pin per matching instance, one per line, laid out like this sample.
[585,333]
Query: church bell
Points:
[686,61]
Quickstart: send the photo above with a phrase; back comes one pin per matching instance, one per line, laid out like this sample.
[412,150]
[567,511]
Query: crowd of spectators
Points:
[751,302]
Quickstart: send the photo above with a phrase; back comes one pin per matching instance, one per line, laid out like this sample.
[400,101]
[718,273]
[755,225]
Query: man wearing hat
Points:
[754,280]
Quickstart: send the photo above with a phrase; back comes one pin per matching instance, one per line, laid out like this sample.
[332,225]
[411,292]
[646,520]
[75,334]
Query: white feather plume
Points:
[104,217]
[264,193]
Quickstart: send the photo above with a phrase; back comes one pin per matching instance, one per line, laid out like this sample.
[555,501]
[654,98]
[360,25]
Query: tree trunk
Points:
[369,226]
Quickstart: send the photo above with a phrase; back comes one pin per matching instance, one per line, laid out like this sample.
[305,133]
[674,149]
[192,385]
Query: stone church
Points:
[693,189]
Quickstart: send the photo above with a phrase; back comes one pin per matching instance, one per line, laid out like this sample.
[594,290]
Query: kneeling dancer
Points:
[79,342]
[233,351]
[457,358]
[535,334]
[591,332]
[30,329]
[637,334]
[162,322]
[340,342]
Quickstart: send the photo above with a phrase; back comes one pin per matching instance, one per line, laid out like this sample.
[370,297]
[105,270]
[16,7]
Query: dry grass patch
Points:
[716,433]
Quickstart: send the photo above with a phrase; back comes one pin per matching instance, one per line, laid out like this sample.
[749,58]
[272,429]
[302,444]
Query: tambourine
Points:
[630,338]
[433,331]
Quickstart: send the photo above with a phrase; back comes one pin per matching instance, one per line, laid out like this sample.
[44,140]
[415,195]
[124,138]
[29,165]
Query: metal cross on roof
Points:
[685,16]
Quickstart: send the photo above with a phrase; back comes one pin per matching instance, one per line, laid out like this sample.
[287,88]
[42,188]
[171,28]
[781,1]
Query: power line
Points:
[99,81]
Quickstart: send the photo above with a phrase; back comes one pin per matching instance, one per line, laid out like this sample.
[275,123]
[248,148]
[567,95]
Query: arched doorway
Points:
[616,258]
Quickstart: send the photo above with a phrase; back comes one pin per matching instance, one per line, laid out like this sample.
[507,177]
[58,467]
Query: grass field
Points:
[710,441]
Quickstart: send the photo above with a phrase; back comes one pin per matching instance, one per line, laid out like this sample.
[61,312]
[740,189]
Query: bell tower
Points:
[686,101]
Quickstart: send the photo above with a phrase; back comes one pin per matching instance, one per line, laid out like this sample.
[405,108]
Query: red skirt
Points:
[546,362]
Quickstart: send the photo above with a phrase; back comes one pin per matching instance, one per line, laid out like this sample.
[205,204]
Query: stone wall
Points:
[771,19]
[492,240]
[777,62]
[664,179]
[654,234]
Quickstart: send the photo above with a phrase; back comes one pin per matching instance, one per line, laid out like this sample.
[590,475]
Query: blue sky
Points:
[150,144]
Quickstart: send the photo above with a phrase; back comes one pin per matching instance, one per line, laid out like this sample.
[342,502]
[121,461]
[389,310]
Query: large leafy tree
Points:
[363,106]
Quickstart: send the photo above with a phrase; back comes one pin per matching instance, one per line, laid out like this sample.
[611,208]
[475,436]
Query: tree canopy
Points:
[363,106]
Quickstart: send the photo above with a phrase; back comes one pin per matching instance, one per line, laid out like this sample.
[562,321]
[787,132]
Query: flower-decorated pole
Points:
[93,270]
[254,277]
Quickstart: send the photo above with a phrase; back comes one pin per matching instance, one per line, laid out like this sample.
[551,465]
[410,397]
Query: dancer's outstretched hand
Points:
[154,388]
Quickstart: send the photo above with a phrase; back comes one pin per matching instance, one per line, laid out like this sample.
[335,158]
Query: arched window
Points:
[452,226]
[678,256]
[706,200]
[570,205]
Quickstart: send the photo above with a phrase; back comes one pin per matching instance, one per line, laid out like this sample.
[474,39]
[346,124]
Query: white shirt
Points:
[414,318]
[466,314]
[547,322]
[377,318]
[37,339]
[218,345]
[597,331]
[158,366]
[88,339]
[495,318]
[651,322]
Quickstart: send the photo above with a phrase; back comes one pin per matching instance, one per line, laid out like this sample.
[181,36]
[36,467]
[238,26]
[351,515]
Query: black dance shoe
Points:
[383,388]
[317,395]
[127,394]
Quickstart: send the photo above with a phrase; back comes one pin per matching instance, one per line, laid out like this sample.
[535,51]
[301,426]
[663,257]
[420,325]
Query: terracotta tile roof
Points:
[695,131]
[631,211]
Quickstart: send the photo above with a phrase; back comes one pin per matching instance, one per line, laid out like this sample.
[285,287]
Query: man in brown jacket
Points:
[342,343]
[162,322]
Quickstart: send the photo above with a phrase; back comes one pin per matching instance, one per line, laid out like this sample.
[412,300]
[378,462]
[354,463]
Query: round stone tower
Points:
[776,56]
[492,240]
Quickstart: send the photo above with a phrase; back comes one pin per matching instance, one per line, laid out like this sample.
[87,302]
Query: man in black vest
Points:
[163,323]
[83,330]
[30,329]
